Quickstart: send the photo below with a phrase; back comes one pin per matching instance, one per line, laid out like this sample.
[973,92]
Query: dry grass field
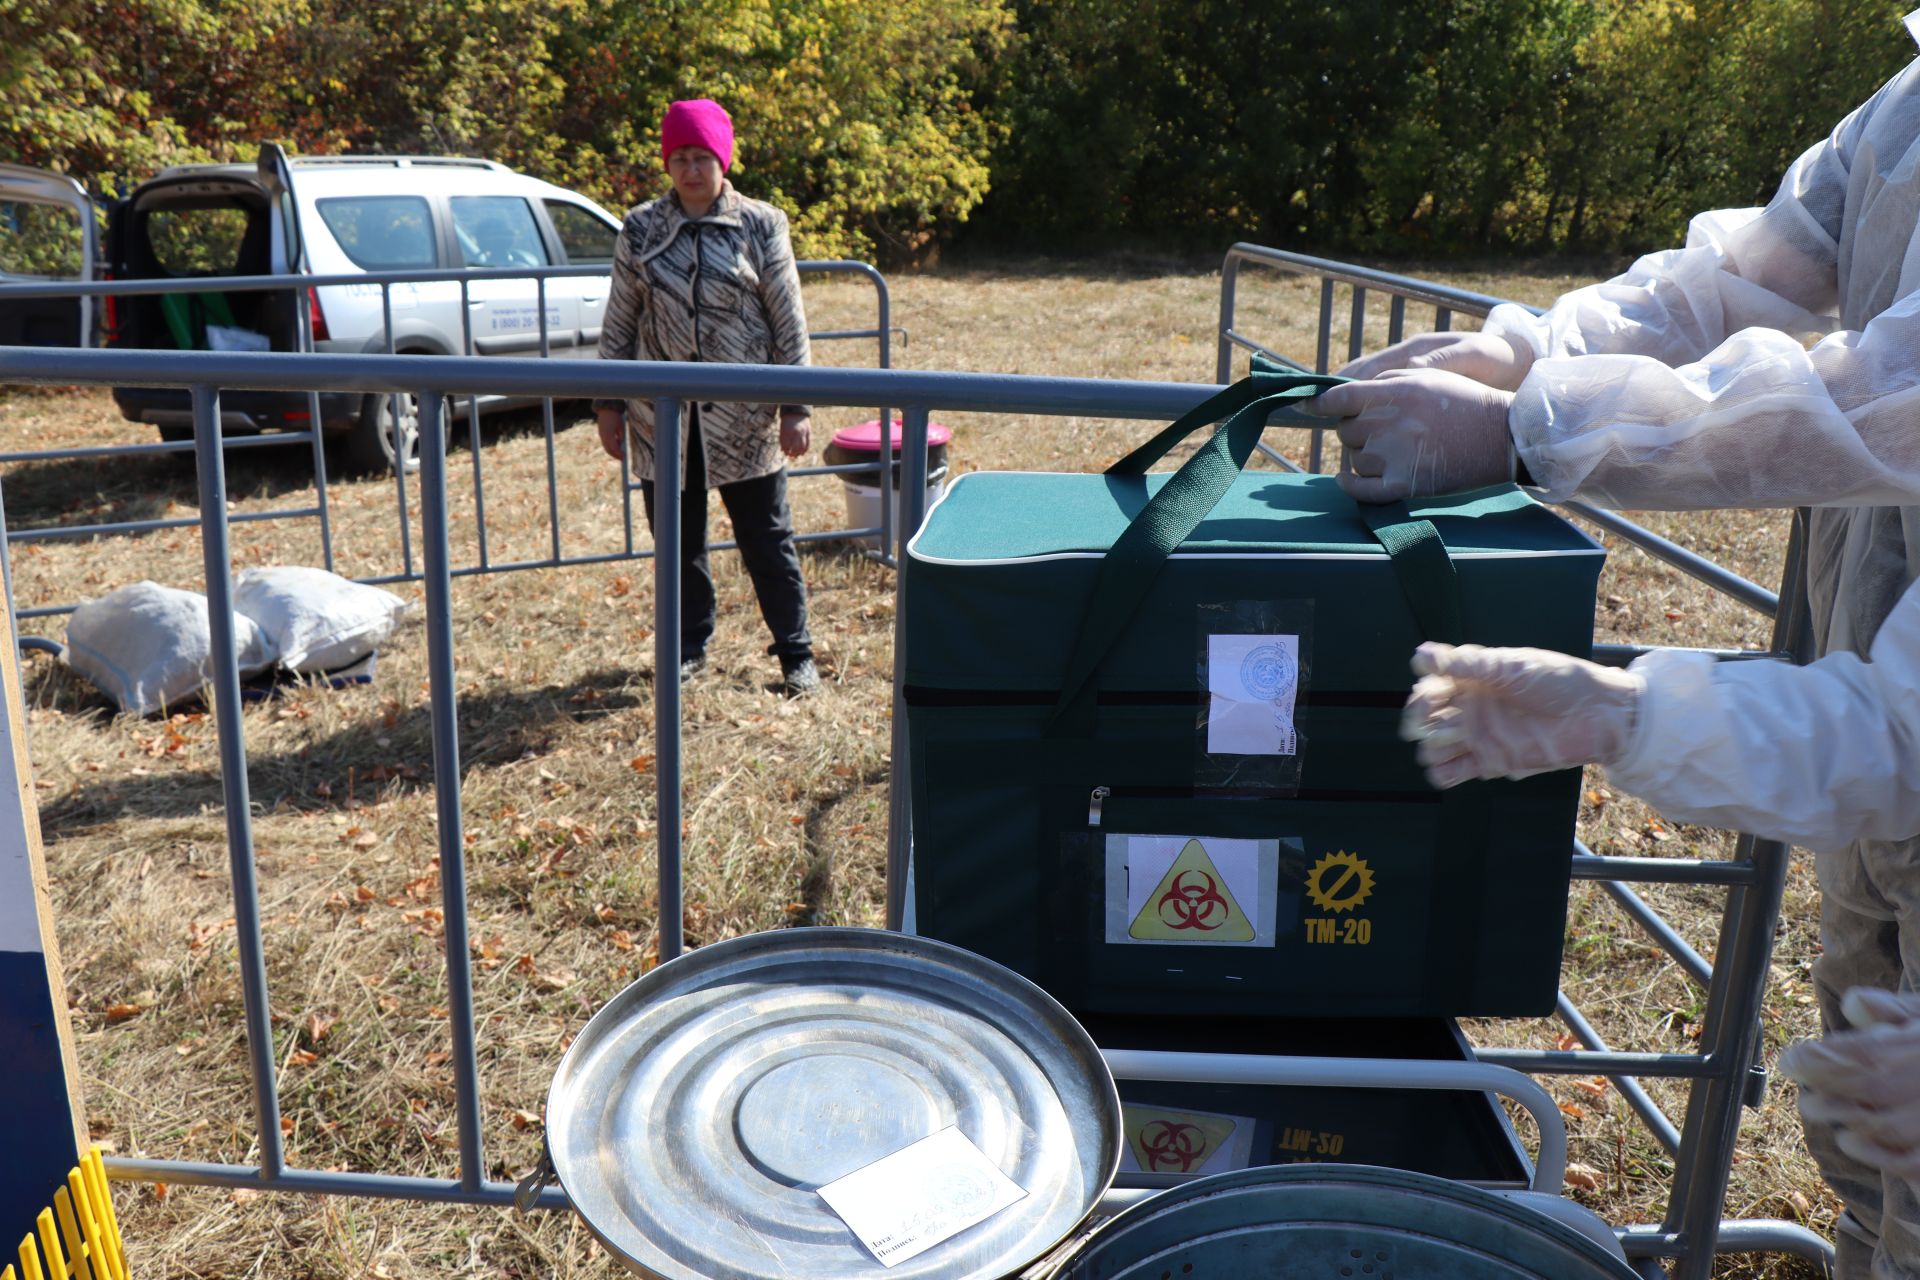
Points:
[784,801]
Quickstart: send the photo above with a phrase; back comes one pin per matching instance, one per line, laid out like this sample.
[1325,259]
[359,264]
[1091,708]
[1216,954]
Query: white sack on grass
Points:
[317,621]
[148,647]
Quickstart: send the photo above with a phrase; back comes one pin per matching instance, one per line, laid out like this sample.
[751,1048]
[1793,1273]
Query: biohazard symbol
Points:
[1173,1141]
[1192,903]
[1339,882]
[1172,1147]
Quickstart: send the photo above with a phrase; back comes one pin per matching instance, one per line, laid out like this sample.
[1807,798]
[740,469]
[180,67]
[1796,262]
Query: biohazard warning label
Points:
[1191,1142]
[1191,890]
[1191,901]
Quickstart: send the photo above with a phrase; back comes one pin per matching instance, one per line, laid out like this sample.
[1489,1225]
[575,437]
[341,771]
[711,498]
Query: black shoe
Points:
[798,676]
[691,667]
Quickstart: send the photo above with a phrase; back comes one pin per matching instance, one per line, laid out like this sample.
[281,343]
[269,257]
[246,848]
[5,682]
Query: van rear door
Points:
[276,175]
[49,231]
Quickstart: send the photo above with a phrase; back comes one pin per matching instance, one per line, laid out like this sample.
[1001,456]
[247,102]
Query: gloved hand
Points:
[1867,1080]
[1483,357]
[1414,432]
[1512,713]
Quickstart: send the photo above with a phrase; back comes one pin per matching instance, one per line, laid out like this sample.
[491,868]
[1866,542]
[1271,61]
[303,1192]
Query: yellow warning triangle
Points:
[1192,903]
[1173,1141]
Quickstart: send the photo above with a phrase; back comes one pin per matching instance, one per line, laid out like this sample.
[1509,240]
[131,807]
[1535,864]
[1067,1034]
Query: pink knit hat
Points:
[699,122]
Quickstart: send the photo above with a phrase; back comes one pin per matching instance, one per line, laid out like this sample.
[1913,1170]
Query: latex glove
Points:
[796,434]
[1512,713]
[1867,1080]
[1414,432]
[613,431]
[1486,358]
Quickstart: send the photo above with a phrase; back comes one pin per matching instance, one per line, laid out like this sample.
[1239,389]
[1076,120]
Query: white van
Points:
[336,215]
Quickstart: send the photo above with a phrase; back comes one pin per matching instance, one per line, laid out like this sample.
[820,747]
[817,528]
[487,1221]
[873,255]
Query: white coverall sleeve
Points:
[1686,383]
[1818,756]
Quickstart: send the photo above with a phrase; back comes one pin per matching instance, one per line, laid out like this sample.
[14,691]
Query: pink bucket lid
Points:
[865,438]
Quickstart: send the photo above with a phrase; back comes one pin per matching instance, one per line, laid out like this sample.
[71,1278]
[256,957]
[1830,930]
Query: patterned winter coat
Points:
[722,288]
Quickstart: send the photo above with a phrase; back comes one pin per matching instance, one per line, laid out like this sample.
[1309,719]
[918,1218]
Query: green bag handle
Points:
[1422,566]
[1266,379]
[1170,517]
[1425,573]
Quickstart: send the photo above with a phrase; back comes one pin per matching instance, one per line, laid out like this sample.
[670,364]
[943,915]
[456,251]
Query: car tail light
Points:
[316,318]
[111,315]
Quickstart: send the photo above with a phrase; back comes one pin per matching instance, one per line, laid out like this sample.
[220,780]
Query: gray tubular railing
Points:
[428,377]
[881,332]
[1720,1072]
[1725,1075]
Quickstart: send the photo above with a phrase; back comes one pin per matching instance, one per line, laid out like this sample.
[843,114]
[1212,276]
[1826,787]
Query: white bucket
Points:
[863,506]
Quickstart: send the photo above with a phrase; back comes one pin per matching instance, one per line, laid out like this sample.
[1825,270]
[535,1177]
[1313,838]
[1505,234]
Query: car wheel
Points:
[377,438]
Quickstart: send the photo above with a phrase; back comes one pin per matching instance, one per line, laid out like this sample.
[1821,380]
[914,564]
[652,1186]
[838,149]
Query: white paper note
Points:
[904,1204]
[1251,681]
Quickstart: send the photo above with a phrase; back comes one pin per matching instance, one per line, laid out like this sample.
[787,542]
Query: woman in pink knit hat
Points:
[703,273]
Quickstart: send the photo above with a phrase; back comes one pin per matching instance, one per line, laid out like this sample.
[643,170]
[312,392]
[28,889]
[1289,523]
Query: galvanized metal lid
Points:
[1312,1222]
[695,1117]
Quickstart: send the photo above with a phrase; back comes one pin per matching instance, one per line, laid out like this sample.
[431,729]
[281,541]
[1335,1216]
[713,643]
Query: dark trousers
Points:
[763,528]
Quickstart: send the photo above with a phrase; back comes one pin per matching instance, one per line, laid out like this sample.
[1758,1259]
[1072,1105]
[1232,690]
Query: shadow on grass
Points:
[117,490]
[816,882]
[497,728]
[102,490]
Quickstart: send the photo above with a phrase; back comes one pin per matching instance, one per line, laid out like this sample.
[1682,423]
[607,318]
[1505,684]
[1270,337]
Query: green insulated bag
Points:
[1153,733]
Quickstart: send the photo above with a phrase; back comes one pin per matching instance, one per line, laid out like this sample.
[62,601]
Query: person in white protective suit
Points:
[1774,361]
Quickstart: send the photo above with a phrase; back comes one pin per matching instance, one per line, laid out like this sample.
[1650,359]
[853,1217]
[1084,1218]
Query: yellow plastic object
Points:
[79,1238]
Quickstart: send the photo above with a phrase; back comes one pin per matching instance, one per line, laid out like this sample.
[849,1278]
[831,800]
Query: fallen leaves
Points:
[199,935]
[486,952]
[123,1010]
[174,736]
[1585,1177]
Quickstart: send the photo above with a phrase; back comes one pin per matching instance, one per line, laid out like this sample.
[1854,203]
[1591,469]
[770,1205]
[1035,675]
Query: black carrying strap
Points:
[1128,572]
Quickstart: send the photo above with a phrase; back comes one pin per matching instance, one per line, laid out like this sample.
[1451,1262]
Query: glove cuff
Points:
[1622,717]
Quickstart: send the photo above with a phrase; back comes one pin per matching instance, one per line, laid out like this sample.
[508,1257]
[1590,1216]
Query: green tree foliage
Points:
[1440,125]
[1372,125]
[858,118]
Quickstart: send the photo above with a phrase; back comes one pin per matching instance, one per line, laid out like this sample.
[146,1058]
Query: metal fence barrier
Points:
[669,386]
[881,331]
[1728,1073]
[1723,1073]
